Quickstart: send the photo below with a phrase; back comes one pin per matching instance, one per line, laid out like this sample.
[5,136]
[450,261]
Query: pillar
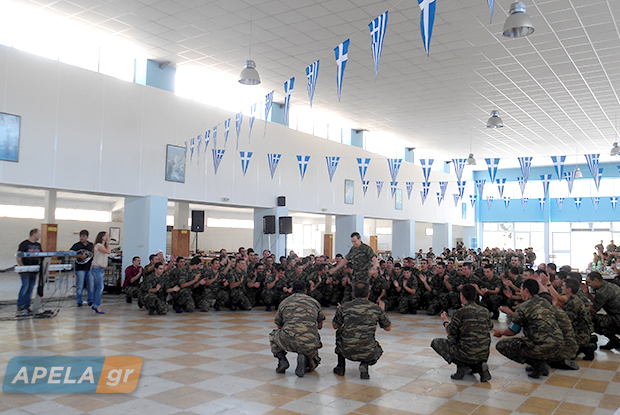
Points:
[328,237]
[357,139]
[547,229]
[276,243]
[345,226]
[403,238]
[181,215]
[409,154]
[442,237]
[277,114]
[144,227]
[49,228]
[157,75]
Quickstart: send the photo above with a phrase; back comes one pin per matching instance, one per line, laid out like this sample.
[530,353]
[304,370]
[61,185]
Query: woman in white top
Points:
[100,262]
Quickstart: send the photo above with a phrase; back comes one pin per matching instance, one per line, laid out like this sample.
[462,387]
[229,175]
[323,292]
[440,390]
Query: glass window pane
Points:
[522,226]
[538,226]
[561,241]
[489,226]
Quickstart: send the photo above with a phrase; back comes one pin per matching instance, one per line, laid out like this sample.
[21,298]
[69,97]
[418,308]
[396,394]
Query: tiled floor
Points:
[221,363]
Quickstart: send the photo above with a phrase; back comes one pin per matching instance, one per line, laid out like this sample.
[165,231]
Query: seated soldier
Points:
[606,297]
[408,288]
[569,347]
[355,323]
[468,339]
[489,287]
[155,290]
[579,315]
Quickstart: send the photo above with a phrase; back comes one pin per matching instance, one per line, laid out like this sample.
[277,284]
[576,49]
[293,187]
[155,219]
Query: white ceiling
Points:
[556,90]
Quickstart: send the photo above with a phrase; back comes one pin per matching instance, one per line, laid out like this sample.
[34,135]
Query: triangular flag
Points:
[303,165]
[342,55]
[492,166]
[439,198]
[192,144]
[526,167]
[595,202]
[560,202]
[365,184]
[427,19]
[198,145]
[268,106]
[394,165]
[570,178]
[558,163]
[593,162]
[546,179]
[522,184]
[491,7]
[489,201]
[226,131]
[524,201]
[480,186]
[312,72]
[577,202]
[500,187]
[461,187]
[393,186]
[456,199]
[377,33]
[362,164]
[332,165]
[245,160]
[207,140]
[379,187]
[597,178]
[459,167]
[253,110]
[288,90]
[409,189]
[443,186]
[426,168]
[426,186]
[614,202]
[217,158]
[215,137]
[507,201]
[186,149]
[238,122]
[273,159]
[472,200]
[541,202]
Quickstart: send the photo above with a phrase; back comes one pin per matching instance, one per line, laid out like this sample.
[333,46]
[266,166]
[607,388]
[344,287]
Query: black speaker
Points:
[198,220]
[281,200]
[286,225]
[269,224]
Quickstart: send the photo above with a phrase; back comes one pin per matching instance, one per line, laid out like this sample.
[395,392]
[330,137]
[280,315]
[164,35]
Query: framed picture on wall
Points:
[9,136]
[349,192]
[398,198]
[115,236]
[175,164]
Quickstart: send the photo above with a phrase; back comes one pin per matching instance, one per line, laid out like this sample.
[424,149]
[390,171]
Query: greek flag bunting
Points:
[268,106]
[472,200]
[480,185]
[459,167]
[491,7]
[507,201]
[207,140]
[423,197]
[595,202]
[426,168]
[238,122]
[245,160]
[253,110]
[546,179]
[215,137]
[198,144]
[426,187]
[342,55]
[393,186]
[500,187]
[379,188]
[226,131]
[526,167]
[560,202]
[377,33]
[456,199]
[558,164]
[303,165]
[439,198]
[577,202]
[192,144]
[332,165]
[461,187]
[288,90]
[598,177]
[570,178]
[524,201]
[522,184]
[365,184]
[489,201]
[614,202]
[492,166]
[541,202]
[273,159]
[443,186]
[409,189]
[593,161]
[362,164]
[217,158]
[427,19]
[394,165]
[312,72]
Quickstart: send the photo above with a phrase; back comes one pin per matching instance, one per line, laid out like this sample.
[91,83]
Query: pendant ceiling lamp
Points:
[495,121]
[249,74]
[518,23]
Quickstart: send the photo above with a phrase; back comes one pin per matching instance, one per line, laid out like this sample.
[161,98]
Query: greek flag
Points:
[362,164]
[480,185]
[207,140]
[199,143]
[500,187]
[332,165]
[472,200]
[614,201]
[238,122]
[524,202]
[491,6]
[595,201]
[570,178]
[558,163]
[526,167]
[393,186]
[394,165]
[377,33]
[427,19]
[217,158]
[492,165]
[226,131]
[593,160]
[507,201]
[560,202]
[439,198]
[303,165]
[365,184]
[459,167]
[426,168]
[268,106]
[253,110]
[288,88]
[443,186]
[522,184]
[546,179]
[245,160]
[274,159]
[456,199]
[426,187]
[379,188]
[409,189]
[192,143]
[312,72]
[215,137]
[598,177]
[461,187]
[577,202]
[342,55]
[541,202]
[489,201]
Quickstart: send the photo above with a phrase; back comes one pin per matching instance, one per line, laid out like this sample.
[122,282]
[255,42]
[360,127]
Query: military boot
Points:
[483,370]
[340,369]
[364,371]
[151,311]
[588,353]
[282,363]
[539,368]
[302,363]
[461,370]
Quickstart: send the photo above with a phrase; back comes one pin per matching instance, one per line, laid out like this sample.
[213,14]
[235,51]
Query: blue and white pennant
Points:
[593,161]
[480,185]
[427,20]
[492,166]
[570,178]
[577,202]
[273,159]
[426,168]
[614,202]
[312,73]
[226,131]
[332,165]
[303,165]
[238,122]
[456,199]
[268,107]
[558,164]
[472,200]
[362,164]
[522,183]
[379,187]
[377,34]
[546,180]
[215,137]
[217,158]
[459,168]
[288,90]
[500,187]
[541,202]
[342,55]
[506,201]
[526,167]
[245,160]
[443,186]
[560,202]
[253,111]
[489,201]
[524,201]
[192,144]
[595,202]
[409,186]
[461,187]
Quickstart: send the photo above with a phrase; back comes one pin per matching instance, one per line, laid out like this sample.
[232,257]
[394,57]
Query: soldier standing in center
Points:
[363,258]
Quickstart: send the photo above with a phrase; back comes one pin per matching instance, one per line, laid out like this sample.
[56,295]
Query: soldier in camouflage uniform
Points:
[543,338]
[569,346]
[490,288]
[186,277]
[392,295]
[425,279]
[315,280]
[408,288]
[606,297]
[275,284]
[234,280]
[362,257]
[580,318]
[468,339]
[379,287]
[299,320]
[205,292]
[451,282]
[155,289]
[355,323]
[131,284]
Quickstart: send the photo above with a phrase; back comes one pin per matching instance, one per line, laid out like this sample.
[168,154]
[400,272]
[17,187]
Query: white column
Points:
[403,238]
[181,215]
[50,206]
[345,226]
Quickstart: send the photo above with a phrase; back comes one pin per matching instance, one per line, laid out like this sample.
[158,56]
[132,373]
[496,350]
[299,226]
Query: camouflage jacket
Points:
[607,297]
[298,317]
[580,318]
[361,261]
[543,337]
[469,332]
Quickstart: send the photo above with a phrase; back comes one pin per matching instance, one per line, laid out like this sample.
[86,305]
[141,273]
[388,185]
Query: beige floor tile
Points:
[191,360]
[250,347]
[192,347]
[599,386]
[494,383]
[367,394]
[18,399]
[419,387]
[82,402]
[604,364]
[489,410]
[188,376]
[342,389]
[610,402]
[520,387]
[576,408]
[283,391]
[263,397]
[562,381]
[446,391]
[279,411]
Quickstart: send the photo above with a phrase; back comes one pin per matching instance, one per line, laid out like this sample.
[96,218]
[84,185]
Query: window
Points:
[230,223]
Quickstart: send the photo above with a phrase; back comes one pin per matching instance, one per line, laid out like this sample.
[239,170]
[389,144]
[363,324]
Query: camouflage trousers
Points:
[133,292]
[454,300]
[391,302]
[184,299]
[204,299]
[450,352]
[408,303]
[606,325]
[337,294]
[281,343]
[240,300]
[436,303]
[316,294]
[272,297]
[354,354]
[155,301]
[517,350]
[493,302]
